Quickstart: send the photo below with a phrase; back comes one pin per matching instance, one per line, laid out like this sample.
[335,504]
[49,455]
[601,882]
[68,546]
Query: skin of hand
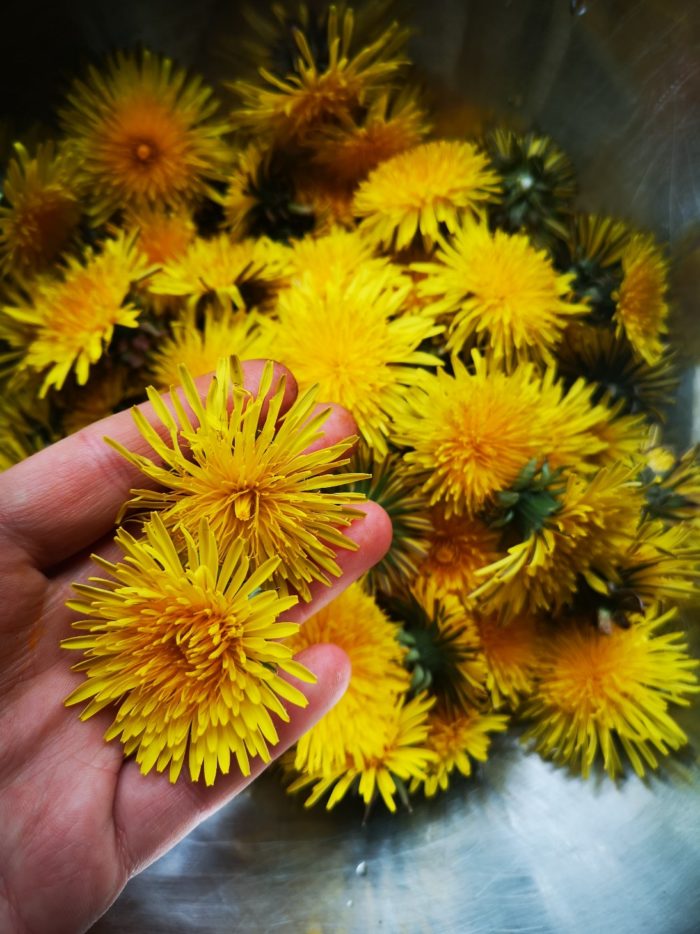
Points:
[78,820]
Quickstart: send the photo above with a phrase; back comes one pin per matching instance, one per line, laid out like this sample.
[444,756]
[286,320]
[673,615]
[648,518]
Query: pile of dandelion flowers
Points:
[351,339]
[285,108]
[188,648]
[73,317]
[250,476]
[40,208]
[597,691]
[497,289]
[417,191]
[144,133]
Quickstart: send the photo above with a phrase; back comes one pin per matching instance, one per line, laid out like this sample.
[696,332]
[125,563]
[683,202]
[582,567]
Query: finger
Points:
[338,426]
[68,495]
[151,814]
[372,533]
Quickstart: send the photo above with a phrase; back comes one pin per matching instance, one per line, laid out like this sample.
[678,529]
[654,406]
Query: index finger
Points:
[64,498]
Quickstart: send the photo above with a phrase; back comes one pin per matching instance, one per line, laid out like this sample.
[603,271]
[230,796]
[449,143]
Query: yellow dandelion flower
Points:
[497,290]
[73,317]
[510,653]
[145,133]
[40,208]
[415,192]
[351,338]
[188,649]
[249,476]
[238,274]
[285,107]
[163,234]
[354,622]
[444,651]
[599,694]
[642,310]
[662,563]
[586,536]
[457,547]
[469,433]
[347,152]
[456,737]
[224,332]
[401,757]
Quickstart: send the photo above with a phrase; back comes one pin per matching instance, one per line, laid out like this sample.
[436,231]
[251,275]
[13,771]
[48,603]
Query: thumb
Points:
[151,815]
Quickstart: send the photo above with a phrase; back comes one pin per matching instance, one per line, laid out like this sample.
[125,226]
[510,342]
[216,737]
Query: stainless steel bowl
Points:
[524,846]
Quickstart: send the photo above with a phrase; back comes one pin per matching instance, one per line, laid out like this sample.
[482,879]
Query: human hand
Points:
[76,818]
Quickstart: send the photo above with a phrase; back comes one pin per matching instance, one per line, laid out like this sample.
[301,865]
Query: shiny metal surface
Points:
[524,847]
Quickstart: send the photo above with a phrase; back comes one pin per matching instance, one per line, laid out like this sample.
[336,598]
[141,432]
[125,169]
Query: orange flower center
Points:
[145,152]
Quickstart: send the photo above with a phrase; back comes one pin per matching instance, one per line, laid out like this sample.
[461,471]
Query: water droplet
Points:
[348,903]
[578,7]
[361,869]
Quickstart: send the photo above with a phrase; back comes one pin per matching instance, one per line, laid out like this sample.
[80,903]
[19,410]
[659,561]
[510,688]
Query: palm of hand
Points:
[77,819]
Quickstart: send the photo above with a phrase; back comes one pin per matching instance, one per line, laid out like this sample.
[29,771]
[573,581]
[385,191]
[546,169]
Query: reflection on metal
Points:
[524,846]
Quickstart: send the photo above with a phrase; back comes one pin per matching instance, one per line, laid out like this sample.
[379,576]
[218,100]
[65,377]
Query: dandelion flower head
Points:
[457,547]
[602,694]
[456,737]
[354,622]
[189,648]
[415,192]
[284,107]
[228,272]
[40,209]
[401,757]
[497,290]
[144,133]
[642,309]
[352,340]
[74,316]
[250,476]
